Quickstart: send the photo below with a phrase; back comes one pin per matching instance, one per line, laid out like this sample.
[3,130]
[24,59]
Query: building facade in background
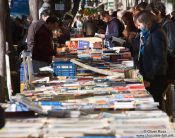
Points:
[126,4]
[63,6]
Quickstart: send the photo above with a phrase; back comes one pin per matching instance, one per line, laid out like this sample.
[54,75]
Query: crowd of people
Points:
[148,32]
[146,28]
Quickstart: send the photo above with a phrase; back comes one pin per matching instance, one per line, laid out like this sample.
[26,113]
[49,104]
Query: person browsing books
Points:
[42,50]
[114,28]
[152,55]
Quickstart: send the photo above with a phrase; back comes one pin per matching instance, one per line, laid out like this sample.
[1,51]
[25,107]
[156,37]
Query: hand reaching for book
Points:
[100,35]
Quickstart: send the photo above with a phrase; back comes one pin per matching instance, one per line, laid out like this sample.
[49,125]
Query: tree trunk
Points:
[2,50]
[34,9]
[14,61]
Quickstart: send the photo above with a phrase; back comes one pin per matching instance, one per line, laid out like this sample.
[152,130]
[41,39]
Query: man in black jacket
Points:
[34,27]
[114,28]
[169,27]
[41,44]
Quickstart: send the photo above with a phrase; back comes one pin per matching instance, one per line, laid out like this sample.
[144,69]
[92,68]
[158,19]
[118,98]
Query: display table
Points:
[120,125]
[90,39]
[78,106]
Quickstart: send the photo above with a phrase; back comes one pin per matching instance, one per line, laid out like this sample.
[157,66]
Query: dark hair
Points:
[52,20]
[45,13]
[128,20]
[173,13]
[24,17]
[152,9]
[18,19]
[127,17]
[142,5]
[114,14]
[146,17]
[150,6]
[103,14]
[160,7]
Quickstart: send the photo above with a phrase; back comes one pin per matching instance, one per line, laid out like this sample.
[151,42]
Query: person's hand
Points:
[146,84]
[101,35]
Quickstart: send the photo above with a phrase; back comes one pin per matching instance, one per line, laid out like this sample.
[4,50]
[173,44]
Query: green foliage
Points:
[89,11]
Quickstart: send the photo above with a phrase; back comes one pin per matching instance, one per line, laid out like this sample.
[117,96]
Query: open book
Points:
[118,40]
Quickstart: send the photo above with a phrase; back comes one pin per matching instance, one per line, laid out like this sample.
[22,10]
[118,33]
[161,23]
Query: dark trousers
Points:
[157,88]
[2,117]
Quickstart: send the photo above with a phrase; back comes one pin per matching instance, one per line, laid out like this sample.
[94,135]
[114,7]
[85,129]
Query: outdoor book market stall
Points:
[88,96]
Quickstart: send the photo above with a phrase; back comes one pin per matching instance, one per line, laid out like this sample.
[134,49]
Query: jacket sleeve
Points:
[159,44]
[169,29]
[113,30]
[31,37]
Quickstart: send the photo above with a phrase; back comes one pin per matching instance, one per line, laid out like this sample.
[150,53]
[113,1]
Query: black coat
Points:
[39,39]
[169,27]
[133,46]
[154,60]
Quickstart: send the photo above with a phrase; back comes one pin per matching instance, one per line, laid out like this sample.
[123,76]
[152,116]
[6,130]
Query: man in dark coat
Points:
[114,28]
[34,27]
[42,48]
[169,27]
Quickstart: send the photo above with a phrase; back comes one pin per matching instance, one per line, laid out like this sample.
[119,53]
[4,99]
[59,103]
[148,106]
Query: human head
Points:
[173,14]
[52,23]
[78,17]
[136,11]
[142,6]
[45,14]
[145,20]
[114,14]
[127,17]
[138,8]
[24,17]
[131,9]
[105,16]
[158,9]
[161,8]
[67,20]
[18,21]
[29,19]
[96,16]
[128,21]
[110,12]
